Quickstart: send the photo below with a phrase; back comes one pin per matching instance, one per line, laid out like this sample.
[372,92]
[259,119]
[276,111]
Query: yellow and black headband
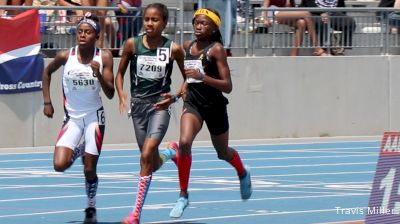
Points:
[210,15]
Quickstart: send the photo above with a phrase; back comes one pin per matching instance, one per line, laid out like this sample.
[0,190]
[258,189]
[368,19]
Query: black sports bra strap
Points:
[205,51]
[189,49]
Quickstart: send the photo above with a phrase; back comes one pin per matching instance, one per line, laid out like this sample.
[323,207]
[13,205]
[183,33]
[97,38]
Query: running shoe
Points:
[131,219]
[245,185]
[174,146]
[179,207]
[90,216]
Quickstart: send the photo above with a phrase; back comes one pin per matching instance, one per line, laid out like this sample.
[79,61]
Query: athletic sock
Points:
[91,190]
[143,187]
[237,163]
[184,165]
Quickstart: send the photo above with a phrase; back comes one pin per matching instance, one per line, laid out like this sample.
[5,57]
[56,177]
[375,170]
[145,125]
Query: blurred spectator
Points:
[111,27]
[243,7]
[44,14]
[300,20]
[2,11]
[129,22]
[389,4]
[245,13]
[393,17]
[18,2]
[75,14]
[227,11]
[106,20]
[44,3]
[102,16]
[335,20]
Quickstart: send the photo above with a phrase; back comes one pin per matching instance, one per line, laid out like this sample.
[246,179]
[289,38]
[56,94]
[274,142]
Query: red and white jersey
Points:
[80,87]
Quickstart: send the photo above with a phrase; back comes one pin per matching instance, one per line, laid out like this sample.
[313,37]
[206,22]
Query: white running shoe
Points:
[245,185]
[179,207]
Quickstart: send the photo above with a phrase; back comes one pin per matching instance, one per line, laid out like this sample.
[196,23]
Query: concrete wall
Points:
[273,97]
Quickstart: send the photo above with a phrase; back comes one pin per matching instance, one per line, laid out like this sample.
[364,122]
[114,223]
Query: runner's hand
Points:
[48,111]
[95,67]
[165,103]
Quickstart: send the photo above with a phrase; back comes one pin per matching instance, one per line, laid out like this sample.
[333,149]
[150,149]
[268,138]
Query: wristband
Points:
[175,98]
[47,103]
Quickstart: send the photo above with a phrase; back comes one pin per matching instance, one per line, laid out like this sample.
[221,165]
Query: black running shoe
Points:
[90,216]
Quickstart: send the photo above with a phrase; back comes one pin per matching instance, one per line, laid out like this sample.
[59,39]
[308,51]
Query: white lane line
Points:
[170,205]
[265,213]
[366,154]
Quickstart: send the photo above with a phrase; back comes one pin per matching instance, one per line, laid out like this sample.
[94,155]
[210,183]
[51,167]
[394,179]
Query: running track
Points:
[299,181]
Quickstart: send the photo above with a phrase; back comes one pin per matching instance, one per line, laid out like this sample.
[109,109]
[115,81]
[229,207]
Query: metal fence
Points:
[372,32]
[372,35]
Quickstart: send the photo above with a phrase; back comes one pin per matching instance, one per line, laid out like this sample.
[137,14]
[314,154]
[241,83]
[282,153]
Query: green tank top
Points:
[151,69]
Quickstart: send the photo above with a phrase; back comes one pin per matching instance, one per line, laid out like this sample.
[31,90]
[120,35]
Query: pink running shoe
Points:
[131,219]
[173,145]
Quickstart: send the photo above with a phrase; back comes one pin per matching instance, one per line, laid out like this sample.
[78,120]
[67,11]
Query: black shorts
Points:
[216,118]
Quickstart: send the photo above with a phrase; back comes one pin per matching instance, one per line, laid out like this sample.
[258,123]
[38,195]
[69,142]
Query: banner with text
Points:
[21,65]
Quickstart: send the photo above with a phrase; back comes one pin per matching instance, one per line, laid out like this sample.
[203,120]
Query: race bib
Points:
[101,118]
[153,67]
[81,81]
[163,54]
[194,64]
